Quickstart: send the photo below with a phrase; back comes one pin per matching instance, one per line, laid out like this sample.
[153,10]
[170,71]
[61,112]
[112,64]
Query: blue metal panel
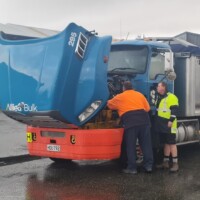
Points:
[58,73]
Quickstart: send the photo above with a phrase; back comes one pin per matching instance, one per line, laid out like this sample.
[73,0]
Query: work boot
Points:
[164,165]
[174,167]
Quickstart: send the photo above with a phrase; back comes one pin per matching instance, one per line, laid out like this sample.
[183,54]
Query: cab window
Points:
[157,65]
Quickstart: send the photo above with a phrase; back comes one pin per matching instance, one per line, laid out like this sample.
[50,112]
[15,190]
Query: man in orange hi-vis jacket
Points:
[133,110]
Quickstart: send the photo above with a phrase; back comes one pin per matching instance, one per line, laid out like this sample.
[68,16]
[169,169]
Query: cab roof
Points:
[143,43]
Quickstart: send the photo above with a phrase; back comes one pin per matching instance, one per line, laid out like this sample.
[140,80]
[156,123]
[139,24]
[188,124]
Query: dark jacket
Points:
[135,118]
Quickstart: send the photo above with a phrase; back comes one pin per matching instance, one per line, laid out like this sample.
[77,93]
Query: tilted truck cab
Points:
[59,87]
[57,79]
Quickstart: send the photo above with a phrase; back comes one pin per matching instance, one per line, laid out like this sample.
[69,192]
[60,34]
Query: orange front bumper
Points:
[77,144]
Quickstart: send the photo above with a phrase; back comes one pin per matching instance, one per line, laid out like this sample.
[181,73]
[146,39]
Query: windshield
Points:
[128,58]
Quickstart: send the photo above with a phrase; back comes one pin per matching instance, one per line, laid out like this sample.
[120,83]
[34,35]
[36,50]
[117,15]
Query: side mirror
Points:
[169,61]
[169,66]
[171,75]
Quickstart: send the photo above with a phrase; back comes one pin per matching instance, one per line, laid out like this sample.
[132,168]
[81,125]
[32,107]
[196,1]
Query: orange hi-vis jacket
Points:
[129,100]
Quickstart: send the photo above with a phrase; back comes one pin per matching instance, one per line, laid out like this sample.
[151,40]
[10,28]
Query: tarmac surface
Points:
[12,137]
[99,180]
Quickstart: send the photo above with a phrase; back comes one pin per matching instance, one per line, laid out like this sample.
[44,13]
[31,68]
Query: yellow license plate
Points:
[29,137]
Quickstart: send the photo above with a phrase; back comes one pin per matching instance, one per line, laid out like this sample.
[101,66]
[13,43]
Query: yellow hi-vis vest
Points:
[164,109]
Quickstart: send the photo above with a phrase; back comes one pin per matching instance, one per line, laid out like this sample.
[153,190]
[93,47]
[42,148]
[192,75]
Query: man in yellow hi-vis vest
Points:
[166,125]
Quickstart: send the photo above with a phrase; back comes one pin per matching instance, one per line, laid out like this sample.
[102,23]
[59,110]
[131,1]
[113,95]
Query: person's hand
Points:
[169,124]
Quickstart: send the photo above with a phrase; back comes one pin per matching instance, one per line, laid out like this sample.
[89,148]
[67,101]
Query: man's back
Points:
[129,100]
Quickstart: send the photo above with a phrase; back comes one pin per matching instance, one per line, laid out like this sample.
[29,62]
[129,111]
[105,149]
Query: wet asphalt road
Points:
[12,137]
[28,179]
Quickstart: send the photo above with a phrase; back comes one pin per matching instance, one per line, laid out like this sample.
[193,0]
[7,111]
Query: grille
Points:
[81,45]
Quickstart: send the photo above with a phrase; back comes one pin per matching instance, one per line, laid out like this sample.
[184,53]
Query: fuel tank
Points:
[56,80]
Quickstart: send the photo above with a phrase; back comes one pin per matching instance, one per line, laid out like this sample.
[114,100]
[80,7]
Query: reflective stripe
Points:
[173,130]
[164,110]
[173,116]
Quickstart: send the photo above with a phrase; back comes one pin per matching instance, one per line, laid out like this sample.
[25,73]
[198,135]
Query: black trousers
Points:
[142,133]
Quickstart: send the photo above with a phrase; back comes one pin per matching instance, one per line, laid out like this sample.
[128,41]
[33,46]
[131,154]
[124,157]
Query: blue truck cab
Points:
[144,63]
[55,80]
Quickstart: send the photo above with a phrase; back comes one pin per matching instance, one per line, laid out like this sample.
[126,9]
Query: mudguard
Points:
[62,78]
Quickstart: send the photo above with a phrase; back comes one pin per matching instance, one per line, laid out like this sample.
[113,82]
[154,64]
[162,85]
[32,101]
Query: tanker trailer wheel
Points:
[60,160]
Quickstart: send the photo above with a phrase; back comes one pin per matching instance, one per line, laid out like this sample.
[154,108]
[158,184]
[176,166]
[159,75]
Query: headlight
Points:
[89,110]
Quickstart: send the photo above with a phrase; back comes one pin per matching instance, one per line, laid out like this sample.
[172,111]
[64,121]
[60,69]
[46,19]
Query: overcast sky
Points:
[118,18]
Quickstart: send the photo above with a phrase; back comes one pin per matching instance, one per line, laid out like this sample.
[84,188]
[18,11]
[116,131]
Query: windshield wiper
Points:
[122,68]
